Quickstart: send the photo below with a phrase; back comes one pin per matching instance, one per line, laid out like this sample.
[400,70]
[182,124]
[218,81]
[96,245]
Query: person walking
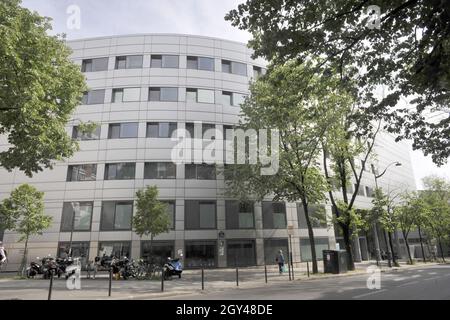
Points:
[280,260]
[3,255]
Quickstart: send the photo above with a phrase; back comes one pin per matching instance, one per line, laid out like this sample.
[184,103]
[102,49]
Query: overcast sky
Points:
[200,17]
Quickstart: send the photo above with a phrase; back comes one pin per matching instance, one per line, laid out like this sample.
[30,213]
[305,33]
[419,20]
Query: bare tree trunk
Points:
[421,244]
[442,251]
[394,258]
[311,238]
[405,235]
[23,264]
[348,247]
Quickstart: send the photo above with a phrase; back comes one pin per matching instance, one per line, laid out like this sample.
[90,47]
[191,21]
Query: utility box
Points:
[334,261]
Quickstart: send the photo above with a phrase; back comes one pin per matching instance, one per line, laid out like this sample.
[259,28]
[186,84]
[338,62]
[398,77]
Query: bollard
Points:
[162,280]
[237,276]
[203,279]
[110,282]
[265,272]
[50,289]
[292,268]
[289,270]
[307,268]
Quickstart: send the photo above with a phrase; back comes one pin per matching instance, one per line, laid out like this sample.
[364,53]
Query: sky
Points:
[199,17]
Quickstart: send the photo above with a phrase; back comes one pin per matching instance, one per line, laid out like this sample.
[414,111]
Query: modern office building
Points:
[142,88]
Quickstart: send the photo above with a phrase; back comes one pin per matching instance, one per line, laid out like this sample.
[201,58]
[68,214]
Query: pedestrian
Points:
[280,260]
[3,255]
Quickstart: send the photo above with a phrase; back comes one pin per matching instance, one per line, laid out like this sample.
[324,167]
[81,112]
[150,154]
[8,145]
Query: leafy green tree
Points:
[40,88]
[301,107]
[409,53]
[151,217]
[24,213]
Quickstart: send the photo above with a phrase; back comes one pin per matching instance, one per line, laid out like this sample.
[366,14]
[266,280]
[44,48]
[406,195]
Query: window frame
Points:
[116,203]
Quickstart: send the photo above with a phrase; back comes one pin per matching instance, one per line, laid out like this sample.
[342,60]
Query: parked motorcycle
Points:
[172,267]
[72,266]
[35,268]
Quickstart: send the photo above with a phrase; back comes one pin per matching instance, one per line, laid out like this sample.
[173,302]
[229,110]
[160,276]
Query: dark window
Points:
[320,244]
[360,190]
[257,72]
[234,67]
[93,97]
[116,215]
[78,214]
[115,248]
[317,216]
[96,64]
[171,212]
[158,251]
[163,94]
[201,253]
[129,62]
[227,98]
[369,192]
[200,63]
[123,130]
[241,253]
[226,66]
[80,135]
[190,128]
[274,215]
[199,214]
[160,170]
[82,172]
[120,171]
[272,248]
[161,129]
[200,171]
[239,215]
[208,128]
[164,61]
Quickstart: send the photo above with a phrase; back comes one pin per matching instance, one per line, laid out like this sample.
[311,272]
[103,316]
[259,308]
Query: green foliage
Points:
[383,211]
[409,53]
[151,216]
[40,89]
[23,212]
[351,217]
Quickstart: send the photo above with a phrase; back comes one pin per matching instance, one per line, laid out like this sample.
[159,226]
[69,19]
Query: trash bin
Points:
[334,261]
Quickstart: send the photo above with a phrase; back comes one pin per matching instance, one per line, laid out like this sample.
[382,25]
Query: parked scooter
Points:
[172,267]
[35,268]
[73,267]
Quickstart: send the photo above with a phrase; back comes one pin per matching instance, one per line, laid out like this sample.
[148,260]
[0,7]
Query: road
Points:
[431,282]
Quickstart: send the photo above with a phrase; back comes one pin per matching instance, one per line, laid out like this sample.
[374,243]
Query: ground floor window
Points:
[241,253]
[79,250]
[305,248]
[115,248]
[201,253]
[272,248]
[160,251]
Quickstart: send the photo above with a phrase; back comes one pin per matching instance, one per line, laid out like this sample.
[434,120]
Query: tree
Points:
[151,216]
[409,53]
[437,197]
[40,89]
[301,107]
[24,213]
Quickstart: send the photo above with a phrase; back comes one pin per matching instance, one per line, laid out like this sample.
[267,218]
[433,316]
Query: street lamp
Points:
[377,243]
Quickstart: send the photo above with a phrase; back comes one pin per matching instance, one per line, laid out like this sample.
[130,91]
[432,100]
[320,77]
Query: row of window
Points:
[198,214]
[239,252]
[163,94]
[168,61]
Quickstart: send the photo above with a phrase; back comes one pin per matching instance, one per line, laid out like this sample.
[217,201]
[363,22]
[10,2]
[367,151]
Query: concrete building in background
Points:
[142,88]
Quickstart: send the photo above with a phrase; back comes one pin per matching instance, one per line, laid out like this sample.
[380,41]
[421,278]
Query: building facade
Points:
[141,89]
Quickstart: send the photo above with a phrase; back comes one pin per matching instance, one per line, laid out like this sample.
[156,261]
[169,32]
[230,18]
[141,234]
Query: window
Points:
[199,95]
[241,253]
[190,128]
[163,94]
[160,170]
[199,214]
[82,172]
[201,253]
[234,67]
[93,97]
[160,129]
[200,171]
[164,61]
[120,171]
[200,63]
[317,216]
[239,215]
[116,215]
[320,244]
[227,98]
[360,190]
[160,251]
[114,248]
[274,215]
[129,62]
[272,248]
[96,64]
[78,215]
[80,135]
[126,95]
[123,130]
[208,131]
[369,192]
[171,212]
[238,99]
[257,72]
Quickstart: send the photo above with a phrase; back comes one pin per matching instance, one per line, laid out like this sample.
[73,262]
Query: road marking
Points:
[434,278]
[369,293]
[407,284]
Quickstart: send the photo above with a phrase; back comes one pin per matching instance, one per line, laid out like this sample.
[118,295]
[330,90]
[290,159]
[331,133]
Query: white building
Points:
[142,87]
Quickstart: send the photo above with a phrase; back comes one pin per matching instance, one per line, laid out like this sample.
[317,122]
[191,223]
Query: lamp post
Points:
[377,243]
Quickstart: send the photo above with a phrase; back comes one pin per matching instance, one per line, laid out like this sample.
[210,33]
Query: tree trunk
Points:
[348,247]
[151,249]
[407,247]
[442,251]
[394,258]
[311,238]
[23,264]
[421,244]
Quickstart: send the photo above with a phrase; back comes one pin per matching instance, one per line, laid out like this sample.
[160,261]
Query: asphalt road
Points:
[423,283]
